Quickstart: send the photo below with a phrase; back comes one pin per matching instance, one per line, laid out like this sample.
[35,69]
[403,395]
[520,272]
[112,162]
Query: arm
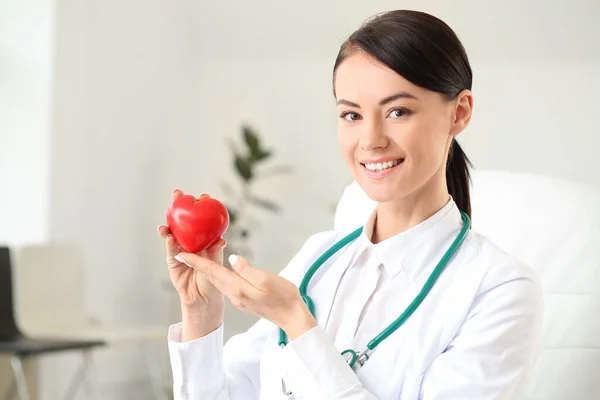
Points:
[494,351]
[205,369]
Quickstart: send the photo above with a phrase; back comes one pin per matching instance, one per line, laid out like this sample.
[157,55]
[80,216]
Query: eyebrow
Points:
[384,101]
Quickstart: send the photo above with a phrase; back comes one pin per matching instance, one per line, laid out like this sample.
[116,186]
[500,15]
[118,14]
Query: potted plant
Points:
[251,164]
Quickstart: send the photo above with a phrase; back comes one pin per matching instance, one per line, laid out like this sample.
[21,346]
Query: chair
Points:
[50,310]
[20,346]
[553,226]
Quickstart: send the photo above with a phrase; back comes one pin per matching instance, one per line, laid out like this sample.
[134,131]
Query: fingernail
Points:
[174,190]
[233,259]
[181,260]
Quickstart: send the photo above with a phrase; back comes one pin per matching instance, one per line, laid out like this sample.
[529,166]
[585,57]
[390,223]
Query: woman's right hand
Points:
[200,300]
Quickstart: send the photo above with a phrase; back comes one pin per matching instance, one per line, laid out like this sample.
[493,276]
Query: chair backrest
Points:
[8,326]
[553,226]
[49,287]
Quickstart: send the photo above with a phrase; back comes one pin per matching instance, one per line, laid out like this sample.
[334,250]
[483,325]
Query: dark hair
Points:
[426,52]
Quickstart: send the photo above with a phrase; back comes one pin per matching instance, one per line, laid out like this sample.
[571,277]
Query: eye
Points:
[350,116]
[398,112]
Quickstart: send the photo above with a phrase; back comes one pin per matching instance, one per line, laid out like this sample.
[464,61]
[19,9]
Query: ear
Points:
[462,112]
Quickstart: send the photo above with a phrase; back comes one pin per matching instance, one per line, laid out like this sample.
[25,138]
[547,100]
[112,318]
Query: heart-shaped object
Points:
[197,223]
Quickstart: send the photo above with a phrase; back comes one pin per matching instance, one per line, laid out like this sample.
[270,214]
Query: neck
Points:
[395,217]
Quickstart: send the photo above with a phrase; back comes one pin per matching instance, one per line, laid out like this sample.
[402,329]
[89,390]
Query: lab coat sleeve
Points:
[314,369]
[205,369]
[494,351]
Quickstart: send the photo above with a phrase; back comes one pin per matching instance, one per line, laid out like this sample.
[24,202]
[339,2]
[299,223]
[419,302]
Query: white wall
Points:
[146,97]
[26,69]
[146,94]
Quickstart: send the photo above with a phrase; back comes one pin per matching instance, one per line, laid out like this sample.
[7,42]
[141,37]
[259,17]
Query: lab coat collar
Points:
[393,251]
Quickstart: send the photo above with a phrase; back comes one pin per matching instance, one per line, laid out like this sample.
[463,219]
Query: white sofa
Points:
[554,226]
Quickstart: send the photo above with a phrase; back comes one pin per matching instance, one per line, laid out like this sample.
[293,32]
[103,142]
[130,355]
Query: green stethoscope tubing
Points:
[409,310]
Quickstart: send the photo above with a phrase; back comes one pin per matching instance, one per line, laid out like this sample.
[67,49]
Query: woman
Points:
[402,83]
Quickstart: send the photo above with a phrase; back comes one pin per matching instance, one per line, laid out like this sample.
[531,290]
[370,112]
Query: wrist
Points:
[300,322]
[199,322]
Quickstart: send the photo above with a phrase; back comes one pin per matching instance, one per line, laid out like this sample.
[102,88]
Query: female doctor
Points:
[411,305]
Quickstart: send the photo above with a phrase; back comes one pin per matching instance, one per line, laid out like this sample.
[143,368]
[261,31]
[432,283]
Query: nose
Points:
[373,137]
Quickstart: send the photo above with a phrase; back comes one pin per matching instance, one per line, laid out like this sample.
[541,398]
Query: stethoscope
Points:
[357,359]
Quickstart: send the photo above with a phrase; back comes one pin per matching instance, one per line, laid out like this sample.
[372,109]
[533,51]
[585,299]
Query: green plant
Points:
[249,165]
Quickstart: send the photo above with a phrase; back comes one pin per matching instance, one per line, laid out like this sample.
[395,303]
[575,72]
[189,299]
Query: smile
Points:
[380,169]
[379,166]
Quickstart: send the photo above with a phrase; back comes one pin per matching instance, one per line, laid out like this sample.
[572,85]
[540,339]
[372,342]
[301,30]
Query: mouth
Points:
[378,169]
[382,165]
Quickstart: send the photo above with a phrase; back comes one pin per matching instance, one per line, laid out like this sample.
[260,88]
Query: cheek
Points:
[346,142]
[426,145]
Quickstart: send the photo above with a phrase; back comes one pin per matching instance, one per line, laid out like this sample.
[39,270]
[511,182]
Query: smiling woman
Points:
[413,106]
[425,307]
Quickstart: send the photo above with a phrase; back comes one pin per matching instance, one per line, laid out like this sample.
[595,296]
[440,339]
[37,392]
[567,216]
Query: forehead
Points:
[362,76]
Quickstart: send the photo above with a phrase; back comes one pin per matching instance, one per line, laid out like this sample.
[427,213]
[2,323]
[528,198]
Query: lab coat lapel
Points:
[327,281]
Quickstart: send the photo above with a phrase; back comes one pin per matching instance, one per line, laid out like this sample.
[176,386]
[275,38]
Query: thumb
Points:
[242,267]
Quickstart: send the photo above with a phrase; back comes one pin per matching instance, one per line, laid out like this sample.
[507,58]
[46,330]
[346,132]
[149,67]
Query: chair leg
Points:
[89,392]
[10,395]
[79,376]
[21,382]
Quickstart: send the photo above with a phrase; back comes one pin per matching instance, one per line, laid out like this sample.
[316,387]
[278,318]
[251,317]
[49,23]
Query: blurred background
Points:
[106,106]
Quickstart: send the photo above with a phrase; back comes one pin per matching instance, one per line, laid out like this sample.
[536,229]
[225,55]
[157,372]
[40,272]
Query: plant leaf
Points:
[262,155]
[243,168]
[264,203]
[251,139]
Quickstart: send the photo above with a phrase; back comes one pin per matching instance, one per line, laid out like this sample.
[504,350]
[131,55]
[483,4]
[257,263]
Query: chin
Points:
[380,192]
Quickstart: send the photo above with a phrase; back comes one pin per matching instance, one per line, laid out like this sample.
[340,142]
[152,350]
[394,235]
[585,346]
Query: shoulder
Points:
[499,264]
[501,273]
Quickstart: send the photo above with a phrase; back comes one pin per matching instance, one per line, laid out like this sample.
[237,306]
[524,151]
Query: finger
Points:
[218,246]
[172,247]
[176,193]
[227,282]
[203,196]
[163,231]
[242,267]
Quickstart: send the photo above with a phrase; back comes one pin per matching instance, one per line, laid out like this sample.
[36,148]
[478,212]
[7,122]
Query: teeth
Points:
[381,166]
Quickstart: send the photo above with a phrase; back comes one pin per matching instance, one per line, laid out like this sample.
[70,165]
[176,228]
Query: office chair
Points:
[20,346]
[65,312]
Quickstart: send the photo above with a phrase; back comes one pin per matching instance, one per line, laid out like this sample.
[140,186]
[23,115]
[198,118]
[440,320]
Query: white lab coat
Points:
[475,336]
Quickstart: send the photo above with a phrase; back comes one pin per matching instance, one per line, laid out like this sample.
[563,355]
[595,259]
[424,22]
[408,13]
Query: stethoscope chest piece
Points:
[350,356]
[354,360]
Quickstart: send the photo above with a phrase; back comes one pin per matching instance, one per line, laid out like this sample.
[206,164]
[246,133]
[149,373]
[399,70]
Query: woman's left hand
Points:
[257,292]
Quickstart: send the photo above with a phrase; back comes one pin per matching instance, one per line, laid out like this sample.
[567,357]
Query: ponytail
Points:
[458,177]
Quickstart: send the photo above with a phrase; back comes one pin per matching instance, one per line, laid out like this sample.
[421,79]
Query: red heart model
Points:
[197,223]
